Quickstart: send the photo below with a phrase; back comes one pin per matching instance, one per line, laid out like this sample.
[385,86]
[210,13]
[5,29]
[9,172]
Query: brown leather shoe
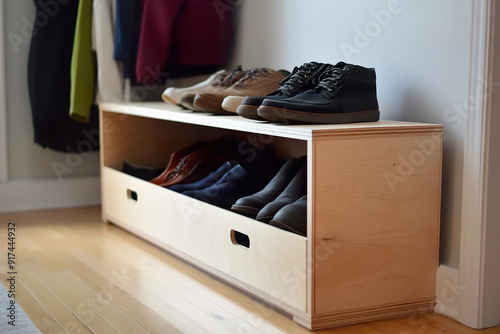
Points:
[197,161]
[192,167]
[220,82]
[255,82]
[175,159]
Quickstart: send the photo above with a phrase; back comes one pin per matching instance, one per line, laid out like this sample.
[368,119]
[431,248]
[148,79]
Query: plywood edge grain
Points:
[164,111]
[379,128]
[380,312]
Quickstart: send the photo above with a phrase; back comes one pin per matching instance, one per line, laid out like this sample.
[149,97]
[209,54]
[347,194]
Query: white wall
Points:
[420,50]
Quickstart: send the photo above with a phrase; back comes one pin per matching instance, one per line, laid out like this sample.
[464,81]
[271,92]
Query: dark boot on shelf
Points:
[301,78]
[294,190]
[251,205]
[292,217]
[346,94]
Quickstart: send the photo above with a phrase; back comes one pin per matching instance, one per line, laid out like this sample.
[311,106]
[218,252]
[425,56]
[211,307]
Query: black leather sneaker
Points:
[346,94]
[302,78]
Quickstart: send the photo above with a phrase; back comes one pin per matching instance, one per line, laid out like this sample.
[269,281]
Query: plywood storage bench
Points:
[373,210]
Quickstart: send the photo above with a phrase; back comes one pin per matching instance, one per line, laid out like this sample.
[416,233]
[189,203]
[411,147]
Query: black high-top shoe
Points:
[302,78]
[346,94]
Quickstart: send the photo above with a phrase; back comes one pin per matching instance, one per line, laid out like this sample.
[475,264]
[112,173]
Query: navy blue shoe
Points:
[211,179]
[236,183]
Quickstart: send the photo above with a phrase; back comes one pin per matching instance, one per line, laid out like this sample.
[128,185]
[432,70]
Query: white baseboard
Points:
[448,291]
[24,195]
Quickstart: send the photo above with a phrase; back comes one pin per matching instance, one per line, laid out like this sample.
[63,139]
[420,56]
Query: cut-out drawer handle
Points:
[238,238]
[132,194]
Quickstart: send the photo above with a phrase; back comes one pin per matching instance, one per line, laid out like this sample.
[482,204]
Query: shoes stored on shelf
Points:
[139,171]
[293,191]
[177,159]
[255,82]
[292,217]
[220,82]
[173,95]
[301,78]
[259,185]
[346,93]
[209,180]
[237,182]
[196,161]
[251,205]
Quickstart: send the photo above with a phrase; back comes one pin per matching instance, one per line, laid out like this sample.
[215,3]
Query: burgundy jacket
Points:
[183,32]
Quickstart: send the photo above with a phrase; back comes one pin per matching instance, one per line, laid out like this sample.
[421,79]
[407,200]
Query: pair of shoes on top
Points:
[318,93]
[224,91]
[219,83]
[283,201]
[173,95]
[255,82]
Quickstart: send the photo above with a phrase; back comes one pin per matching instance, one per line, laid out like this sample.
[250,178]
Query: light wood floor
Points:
[78,275]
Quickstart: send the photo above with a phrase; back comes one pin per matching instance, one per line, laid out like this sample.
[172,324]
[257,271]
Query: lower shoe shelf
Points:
[252,255]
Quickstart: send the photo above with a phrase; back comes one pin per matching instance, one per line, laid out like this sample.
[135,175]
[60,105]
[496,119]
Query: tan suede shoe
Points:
[173,95]
[255,82]
[221,82]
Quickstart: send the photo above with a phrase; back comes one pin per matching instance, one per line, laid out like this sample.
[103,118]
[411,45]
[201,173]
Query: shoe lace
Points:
[177,170]
[250,76]
[298,77]
[333,78]
[227,78]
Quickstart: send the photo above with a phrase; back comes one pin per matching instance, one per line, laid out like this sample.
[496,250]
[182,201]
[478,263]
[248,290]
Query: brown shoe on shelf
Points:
[173,95]
[255,82]
[220,82]
[175,159]
[197,160]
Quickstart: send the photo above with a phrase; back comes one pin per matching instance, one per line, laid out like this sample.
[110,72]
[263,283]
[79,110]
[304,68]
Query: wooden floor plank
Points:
[85,311]
[55,306]
[215,311]
[102,302]
[119,282]
[139,312]
[40,316]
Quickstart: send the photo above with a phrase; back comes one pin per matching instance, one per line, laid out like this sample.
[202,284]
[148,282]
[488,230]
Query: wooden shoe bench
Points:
[373,211]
